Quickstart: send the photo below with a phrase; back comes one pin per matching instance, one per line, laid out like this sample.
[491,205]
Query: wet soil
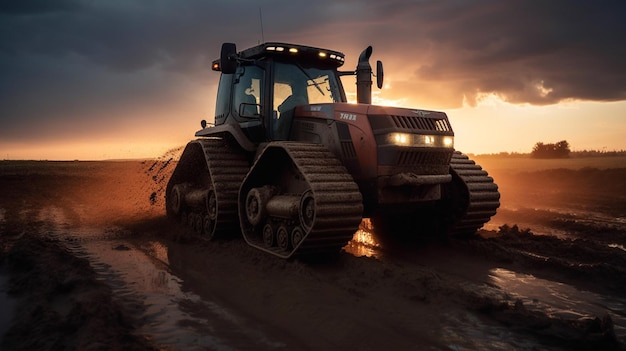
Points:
[88,261]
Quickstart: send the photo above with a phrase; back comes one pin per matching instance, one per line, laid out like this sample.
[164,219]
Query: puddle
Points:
[561,300]
[173,318]
[143,284]
[618,246]
[466,331]
[545,220]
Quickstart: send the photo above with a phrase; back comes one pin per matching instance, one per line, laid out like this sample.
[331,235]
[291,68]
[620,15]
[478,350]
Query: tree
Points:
[558,150]
[562,149]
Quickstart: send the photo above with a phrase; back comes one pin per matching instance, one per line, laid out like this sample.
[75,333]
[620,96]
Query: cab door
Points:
[247,101]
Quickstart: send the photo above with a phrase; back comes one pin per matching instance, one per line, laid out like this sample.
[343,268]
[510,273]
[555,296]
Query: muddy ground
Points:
[89,262]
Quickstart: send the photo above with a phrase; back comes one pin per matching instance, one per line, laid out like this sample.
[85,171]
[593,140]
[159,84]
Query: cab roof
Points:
[300,53]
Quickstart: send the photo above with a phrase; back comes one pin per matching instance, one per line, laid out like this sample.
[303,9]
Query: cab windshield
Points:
[297,85]
[312,84]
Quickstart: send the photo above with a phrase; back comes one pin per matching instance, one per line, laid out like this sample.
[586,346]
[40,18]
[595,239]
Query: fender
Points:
[232,129]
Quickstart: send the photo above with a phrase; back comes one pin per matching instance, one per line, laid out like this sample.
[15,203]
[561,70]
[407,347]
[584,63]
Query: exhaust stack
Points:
[364,78]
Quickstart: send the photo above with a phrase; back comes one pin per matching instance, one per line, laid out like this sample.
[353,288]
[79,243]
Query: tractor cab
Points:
[260,87]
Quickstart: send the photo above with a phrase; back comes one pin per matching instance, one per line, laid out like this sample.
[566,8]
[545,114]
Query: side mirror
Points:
[379,74]
[228,58]
[249,110]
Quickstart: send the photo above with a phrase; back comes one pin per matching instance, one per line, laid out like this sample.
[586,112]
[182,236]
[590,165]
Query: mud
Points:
[88,261]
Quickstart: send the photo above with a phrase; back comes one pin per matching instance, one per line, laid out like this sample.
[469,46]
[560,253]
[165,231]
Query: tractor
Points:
[294,167]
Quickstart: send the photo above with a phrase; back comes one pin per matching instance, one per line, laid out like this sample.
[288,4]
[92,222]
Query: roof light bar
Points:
[293,49]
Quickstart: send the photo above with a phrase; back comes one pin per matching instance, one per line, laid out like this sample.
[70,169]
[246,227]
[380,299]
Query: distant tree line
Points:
[596,153]
[573,154]
[557,150]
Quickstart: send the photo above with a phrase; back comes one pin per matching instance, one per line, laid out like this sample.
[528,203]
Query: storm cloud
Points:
[74,66]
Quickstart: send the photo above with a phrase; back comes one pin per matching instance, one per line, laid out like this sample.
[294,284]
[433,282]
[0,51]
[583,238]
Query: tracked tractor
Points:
[294,167]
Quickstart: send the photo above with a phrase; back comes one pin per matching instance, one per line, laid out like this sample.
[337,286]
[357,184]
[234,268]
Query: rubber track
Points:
[228,165]
[482,196]
[338,202]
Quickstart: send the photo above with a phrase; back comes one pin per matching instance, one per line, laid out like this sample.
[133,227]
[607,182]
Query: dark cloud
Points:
[30,7]
[66,60]
[525,51]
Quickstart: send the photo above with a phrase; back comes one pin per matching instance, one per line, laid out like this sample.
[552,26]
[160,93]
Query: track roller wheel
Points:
[254,207]
[211,204]
[268,235]
[297,234]
[175,199]
[307,210]
[282,237]
[256,203]
[210,217]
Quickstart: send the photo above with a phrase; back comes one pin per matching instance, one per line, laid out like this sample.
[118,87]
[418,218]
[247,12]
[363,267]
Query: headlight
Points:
[403,139]
[419,140]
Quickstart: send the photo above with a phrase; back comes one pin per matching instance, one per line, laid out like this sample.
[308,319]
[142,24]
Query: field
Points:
[89,261]
[529,164]
[591,187]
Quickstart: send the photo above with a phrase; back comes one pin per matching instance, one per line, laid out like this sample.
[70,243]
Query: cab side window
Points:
[222,104]
[247,91]
[290,90]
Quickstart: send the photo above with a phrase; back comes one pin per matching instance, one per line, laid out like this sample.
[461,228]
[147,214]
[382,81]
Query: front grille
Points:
[421,123]
[418,158]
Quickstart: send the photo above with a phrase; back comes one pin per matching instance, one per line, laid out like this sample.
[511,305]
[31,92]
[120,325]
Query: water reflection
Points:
[156,250]
[172,315]
[560,300]
[364,242]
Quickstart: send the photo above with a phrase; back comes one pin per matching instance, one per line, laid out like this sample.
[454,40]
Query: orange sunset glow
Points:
[134,80]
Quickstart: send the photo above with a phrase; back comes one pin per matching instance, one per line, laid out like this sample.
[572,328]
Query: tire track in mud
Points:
[143,285]
[574,286]
[579,304]
[59,302]
[489,311]
[171,300]
[168,310]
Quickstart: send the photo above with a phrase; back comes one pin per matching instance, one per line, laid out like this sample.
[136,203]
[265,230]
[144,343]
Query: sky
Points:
[116,79]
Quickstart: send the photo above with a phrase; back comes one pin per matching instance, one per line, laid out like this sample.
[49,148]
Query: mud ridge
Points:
[60,303]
